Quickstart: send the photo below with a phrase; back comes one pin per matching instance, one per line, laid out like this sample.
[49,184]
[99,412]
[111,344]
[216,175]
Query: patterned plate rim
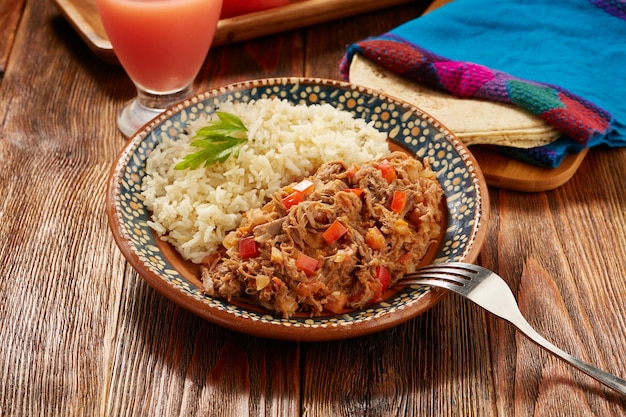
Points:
[460,175]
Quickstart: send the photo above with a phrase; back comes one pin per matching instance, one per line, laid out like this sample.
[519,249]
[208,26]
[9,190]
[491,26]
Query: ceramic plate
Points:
[407,127]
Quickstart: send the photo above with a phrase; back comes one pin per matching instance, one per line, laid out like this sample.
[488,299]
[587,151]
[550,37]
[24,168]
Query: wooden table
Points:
[81,334]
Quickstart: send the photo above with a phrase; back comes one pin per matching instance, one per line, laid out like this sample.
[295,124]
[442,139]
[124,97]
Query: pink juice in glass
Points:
[161,44]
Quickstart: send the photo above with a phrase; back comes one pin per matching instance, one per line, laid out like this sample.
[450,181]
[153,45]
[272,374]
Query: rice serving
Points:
[193,210]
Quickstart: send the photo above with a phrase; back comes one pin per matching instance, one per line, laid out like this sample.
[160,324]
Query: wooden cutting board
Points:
[83,15]
[507,173]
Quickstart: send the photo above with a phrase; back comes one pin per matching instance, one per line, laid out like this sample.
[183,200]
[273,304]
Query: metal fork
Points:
[491,292]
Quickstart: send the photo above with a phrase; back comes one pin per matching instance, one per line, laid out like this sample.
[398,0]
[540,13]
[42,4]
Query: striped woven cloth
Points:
[563,61]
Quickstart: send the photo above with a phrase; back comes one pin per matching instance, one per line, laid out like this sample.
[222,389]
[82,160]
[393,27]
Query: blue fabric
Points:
[562,60]
[570,43]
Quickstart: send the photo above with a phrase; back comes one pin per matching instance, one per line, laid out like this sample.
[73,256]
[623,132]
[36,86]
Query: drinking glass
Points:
[161,44]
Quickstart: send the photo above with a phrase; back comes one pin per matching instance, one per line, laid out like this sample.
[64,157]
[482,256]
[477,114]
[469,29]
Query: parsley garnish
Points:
[218,140]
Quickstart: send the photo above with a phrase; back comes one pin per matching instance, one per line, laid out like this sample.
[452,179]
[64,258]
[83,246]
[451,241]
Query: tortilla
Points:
[473,121]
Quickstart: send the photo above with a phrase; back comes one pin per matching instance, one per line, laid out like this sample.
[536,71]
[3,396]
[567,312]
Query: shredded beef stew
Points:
[335,240]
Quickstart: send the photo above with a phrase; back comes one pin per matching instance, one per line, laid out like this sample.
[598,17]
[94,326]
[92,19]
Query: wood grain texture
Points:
[503,172]
[552,248]
[82,335]
[84,339]
[10,13]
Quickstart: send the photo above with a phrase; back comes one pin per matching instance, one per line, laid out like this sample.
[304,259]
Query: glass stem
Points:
[163,101]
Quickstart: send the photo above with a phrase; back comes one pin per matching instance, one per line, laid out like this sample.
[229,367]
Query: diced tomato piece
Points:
[383,275]
[248,248]
[398,202]
[375,238]
[304,186]
[357,191]
[293,199]
[388,171]
[334,232]
[306,264]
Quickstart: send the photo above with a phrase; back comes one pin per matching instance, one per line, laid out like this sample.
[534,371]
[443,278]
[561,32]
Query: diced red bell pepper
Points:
[388,171]
[334,232]
[293,199]
[248,248]
[357,191]
[398,202]
[383,275]
[306,264]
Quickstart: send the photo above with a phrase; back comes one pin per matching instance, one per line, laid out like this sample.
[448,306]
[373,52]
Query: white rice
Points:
[194,209]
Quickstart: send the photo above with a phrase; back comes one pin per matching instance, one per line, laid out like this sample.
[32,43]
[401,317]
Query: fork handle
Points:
[599,375]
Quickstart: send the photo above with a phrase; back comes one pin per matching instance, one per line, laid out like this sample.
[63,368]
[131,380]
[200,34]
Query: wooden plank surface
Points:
[82,335]
[79,322]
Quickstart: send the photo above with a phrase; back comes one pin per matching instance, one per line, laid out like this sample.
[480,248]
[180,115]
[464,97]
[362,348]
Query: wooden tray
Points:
[83,15]
[503,172]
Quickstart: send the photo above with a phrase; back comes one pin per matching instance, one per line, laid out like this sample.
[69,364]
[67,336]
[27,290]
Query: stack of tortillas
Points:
[473,121]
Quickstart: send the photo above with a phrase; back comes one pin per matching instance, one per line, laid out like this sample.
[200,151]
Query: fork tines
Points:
[452,273]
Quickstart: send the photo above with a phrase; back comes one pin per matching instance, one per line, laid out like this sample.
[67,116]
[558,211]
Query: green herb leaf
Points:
[217,141]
